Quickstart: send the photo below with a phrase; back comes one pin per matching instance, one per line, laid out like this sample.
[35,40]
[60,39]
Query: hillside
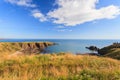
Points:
[59,67]
[113,53]
[105,50]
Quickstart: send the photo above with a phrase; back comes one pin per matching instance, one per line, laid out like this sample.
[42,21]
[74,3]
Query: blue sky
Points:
[60,19]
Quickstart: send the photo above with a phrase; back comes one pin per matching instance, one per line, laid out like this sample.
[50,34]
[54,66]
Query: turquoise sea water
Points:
[68,45]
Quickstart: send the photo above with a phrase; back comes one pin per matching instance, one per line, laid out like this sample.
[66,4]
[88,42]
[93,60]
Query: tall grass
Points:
[59,67]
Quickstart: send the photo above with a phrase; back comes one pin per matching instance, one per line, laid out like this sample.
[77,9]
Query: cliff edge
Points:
[24,47]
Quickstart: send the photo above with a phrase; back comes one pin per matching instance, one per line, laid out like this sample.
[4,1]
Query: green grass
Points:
[59,67]
[114,53]
[62,66]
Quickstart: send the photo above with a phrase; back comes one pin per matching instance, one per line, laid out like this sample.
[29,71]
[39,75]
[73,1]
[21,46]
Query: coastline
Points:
[28,48]
[62,65]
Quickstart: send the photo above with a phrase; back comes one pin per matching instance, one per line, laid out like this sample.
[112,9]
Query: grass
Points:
[114,53]
[58,67]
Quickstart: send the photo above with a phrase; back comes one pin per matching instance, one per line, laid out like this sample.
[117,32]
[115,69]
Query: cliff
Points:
[112,51]
[24,47]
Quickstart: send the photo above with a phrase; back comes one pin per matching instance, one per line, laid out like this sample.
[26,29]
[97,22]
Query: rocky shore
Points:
[28,48]
[112,51]
[24,47]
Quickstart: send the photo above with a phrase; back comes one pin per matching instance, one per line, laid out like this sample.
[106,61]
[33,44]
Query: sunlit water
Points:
[68,45]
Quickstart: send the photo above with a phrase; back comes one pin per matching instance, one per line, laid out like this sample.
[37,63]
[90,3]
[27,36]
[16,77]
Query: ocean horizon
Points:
[68,45]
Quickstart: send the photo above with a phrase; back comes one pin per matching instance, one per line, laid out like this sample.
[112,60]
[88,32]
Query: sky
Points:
[60,19]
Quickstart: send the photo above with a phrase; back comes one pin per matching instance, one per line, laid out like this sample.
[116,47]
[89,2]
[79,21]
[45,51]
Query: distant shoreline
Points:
[67,45]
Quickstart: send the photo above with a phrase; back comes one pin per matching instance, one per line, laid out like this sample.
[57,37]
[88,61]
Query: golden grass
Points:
[58,67]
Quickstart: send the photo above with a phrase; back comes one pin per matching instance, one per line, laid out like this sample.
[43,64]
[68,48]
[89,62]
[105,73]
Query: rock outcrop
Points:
[104,50]
[24,47]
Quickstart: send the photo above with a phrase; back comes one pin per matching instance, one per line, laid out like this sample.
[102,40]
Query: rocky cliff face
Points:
[24,47]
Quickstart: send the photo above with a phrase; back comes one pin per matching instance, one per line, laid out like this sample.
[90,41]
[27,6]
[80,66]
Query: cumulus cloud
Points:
[37,14]
[71,12]
[74,12]
[29,3]
[26,3]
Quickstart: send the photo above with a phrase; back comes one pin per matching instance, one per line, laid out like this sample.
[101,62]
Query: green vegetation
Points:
[59,67]
[113,53]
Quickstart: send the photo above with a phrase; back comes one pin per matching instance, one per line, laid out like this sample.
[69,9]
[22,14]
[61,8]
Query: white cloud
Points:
[71,12]
[26,3]
[29,3]
[74,12]
[64,30]
[37,14]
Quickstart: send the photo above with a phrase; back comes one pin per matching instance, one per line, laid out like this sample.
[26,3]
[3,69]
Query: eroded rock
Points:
[24,47]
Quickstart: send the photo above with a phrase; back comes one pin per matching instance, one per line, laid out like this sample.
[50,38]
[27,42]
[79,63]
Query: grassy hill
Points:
[113,53]
[59,67]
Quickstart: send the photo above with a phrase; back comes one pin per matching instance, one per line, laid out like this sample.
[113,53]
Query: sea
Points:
[76,46]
